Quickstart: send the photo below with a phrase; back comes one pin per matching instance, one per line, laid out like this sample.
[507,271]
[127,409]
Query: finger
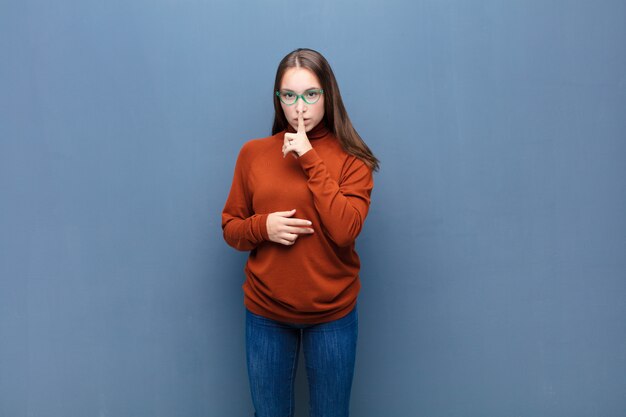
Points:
[288,138]
[286,150]
[290,237]
[301,128]
[300,230]
[297,222]
[286,213]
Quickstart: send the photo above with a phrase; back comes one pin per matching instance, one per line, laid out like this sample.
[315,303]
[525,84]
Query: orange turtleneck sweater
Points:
[316,279]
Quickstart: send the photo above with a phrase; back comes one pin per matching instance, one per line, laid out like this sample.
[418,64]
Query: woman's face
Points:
[299,80]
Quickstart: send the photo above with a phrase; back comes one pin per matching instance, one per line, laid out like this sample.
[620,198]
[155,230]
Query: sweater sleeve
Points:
[342,205]
[243,229]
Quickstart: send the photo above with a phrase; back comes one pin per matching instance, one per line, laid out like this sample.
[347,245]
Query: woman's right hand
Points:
[283,229]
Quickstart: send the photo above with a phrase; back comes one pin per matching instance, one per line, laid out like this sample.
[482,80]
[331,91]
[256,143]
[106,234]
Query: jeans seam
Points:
[292,381]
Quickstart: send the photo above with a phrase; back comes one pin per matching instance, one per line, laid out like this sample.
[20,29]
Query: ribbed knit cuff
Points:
[262,225]
[309,159]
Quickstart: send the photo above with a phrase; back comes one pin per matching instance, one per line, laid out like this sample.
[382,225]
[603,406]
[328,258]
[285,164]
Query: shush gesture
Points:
[297,142]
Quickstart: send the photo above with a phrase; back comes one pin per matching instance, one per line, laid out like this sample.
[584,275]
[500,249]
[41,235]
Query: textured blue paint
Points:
[494,275]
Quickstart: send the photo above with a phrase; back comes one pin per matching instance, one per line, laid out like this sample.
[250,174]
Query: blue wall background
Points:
[493,257]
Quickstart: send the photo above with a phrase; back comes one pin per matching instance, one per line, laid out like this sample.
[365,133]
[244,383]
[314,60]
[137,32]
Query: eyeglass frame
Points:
[318,90]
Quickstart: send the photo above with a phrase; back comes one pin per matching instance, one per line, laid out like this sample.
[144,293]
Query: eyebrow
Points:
[293,91]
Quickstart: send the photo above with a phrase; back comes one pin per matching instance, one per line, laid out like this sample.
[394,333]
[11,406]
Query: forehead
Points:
[297,79]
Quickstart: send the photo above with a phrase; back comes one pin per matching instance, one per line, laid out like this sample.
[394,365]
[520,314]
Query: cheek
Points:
[285,110]
[320,112]
[321,107]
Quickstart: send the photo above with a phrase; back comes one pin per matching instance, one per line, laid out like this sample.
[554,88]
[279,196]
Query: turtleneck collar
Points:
[318,132]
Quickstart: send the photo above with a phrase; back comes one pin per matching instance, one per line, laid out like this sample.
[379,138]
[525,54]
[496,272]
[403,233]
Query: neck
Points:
[319,131]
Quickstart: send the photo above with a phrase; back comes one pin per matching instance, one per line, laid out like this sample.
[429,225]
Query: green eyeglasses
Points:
[309,96]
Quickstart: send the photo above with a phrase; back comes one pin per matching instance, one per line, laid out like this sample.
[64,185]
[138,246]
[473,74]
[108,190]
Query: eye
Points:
[288,94]
[312,94]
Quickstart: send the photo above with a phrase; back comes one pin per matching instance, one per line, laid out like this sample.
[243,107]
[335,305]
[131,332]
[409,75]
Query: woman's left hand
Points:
[297,142]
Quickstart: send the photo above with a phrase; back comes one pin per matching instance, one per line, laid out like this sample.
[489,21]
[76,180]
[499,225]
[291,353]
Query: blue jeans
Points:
[272,350]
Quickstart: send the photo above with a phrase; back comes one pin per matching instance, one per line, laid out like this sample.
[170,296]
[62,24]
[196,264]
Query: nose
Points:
[300,106]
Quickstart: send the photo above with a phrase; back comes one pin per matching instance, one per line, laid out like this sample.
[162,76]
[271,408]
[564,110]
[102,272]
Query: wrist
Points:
[305,151]
[263,218]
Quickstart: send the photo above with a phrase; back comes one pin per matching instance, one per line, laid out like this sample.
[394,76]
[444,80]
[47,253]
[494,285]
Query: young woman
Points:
[298,202]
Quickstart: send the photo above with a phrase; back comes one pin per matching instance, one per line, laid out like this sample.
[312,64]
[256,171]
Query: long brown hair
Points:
[335,115]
